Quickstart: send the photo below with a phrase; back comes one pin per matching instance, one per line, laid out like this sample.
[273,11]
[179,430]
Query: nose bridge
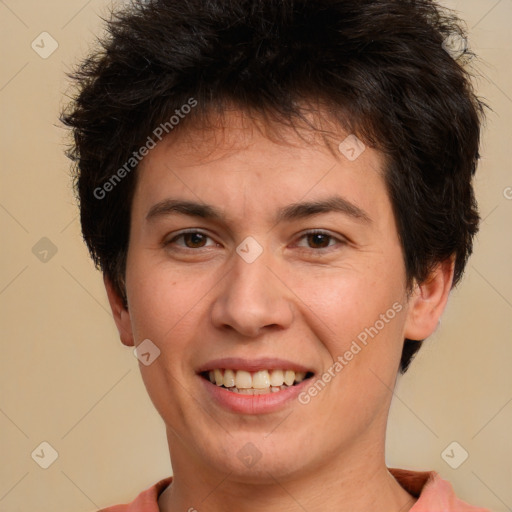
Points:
[251,298]
[252,276]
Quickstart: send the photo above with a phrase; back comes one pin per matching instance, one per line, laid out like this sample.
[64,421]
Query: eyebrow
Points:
[291,212]
[332,204]
[170,206]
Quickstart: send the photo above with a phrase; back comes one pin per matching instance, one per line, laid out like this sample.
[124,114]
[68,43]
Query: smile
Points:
[255,383]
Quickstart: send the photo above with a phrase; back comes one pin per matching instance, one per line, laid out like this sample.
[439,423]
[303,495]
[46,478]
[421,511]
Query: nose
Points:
[252,299]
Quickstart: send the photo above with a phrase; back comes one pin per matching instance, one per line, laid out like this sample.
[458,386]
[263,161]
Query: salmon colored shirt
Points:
[434,494]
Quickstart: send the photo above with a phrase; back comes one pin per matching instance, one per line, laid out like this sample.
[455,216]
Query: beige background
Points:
[67,380]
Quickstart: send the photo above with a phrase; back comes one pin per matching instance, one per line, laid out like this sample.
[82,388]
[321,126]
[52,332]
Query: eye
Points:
[318,240]
[191,240]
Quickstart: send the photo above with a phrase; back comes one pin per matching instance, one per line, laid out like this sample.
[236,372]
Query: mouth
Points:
[260,382]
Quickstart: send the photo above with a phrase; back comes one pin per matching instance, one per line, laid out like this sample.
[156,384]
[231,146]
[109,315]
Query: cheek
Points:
[164,308]
[348,301]
[358,314]
[163,302]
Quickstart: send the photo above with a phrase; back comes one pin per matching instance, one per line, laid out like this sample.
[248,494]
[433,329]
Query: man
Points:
[279,195]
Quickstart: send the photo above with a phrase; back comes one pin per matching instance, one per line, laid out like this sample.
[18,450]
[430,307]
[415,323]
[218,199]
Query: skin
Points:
[296,301]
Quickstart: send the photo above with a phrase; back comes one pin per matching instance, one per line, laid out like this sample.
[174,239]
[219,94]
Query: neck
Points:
[351,483]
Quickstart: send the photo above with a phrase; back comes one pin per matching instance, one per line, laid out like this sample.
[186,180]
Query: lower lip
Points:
[253,404]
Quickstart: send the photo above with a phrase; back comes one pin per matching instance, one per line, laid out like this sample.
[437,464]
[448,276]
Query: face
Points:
[270,276]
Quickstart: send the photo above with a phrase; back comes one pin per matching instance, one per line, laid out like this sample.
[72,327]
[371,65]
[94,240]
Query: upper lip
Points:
[253,365]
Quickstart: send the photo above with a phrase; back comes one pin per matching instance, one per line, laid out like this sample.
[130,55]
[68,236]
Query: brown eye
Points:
[318,240]
[190,240]
[194,240]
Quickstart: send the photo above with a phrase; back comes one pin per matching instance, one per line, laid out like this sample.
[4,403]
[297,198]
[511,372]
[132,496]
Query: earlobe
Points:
[428,301]
[120,313]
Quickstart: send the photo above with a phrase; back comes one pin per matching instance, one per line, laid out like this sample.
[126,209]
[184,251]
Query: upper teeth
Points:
[261,379]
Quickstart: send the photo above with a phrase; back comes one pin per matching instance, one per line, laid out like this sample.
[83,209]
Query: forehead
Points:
[266,163]
[212,134]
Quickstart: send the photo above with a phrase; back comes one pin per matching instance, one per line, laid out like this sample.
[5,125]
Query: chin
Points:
[253,459]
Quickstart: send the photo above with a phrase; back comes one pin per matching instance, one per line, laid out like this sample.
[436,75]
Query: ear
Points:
[120,313]
[428,300]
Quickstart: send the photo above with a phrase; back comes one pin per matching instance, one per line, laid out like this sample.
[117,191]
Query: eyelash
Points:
[304,235]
